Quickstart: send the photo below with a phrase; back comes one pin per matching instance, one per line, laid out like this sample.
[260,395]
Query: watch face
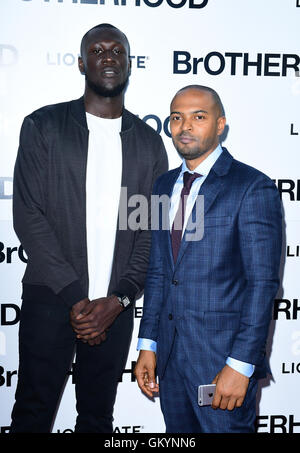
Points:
[125,301]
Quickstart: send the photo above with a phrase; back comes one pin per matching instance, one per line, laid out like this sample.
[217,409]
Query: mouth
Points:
[185,139]
[110,72]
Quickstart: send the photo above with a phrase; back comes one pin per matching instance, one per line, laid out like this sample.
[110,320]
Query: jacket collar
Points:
[220,168]
[78,111]
[223,163]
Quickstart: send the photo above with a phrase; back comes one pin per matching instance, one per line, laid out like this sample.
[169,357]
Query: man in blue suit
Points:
[208,302]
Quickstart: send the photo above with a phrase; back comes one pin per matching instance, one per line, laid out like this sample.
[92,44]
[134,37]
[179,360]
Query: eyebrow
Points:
[99,43]
[196,111]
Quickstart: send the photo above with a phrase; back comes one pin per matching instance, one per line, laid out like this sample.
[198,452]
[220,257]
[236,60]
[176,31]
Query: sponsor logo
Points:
[130,372]
[127,371]
[293,130]
[70,59]
[290,368]
[237,64]
[128,429]
[193,4]
[286,309]
[158,124]
[9,314]
[117,429]
[6,377]
[277,424]
[288,188]
[7,254]
[293,251]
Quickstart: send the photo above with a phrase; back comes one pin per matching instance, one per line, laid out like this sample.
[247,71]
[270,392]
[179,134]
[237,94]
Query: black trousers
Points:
[46,349]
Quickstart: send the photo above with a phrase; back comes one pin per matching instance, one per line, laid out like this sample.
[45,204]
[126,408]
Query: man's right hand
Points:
[145,372]
[77,309]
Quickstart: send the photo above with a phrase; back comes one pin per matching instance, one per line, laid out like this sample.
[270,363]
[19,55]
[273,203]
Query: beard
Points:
[199,148]
[102,91]
[190,153]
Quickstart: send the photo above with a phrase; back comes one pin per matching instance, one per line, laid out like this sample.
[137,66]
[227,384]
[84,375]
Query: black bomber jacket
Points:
[49,200]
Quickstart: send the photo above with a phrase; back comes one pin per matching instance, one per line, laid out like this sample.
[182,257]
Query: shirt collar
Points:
[205,166]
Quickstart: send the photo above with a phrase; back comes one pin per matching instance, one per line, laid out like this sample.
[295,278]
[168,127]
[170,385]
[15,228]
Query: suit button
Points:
[170,316]
[175,282]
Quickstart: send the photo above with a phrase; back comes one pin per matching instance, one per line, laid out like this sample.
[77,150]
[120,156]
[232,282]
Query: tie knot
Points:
[189,178]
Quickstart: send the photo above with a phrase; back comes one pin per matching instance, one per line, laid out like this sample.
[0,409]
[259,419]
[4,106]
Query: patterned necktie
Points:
[176,233]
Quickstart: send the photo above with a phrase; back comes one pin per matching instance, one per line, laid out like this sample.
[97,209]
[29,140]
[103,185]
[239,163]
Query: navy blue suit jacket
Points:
[221,290]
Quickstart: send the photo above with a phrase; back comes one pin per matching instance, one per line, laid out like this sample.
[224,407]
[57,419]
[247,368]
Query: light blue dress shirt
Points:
[203,169]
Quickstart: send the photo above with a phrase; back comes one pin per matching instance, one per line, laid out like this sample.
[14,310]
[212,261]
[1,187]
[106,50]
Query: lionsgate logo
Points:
[159,206]
[193,4]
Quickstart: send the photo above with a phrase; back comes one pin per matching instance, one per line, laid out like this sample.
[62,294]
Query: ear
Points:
[81,65]
[221,123]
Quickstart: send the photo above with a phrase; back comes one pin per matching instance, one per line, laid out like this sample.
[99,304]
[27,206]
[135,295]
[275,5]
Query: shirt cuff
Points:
[146,344]
[247,369]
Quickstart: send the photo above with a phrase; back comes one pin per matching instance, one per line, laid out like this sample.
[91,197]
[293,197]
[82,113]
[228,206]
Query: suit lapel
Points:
[171,178]
[211,187]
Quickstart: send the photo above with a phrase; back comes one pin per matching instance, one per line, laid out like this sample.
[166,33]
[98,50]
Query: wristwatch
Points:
[124,301]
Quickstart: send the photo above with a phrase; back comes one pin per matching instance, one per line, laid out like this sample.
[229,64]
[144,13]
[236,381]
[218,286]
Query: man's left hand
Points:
[93,321]
[231,388]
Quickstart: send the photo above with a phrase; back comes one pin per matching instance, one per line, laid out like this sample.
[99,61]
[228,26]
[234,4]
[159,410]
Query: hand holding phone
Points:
[206,394]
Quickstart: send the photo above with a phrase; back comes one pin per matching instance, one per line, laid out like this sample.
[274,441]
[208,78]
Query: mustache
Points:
[185,134]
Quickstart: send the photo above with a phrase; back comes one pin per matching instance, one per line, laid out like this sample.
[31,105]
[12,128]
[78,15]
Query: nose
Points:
[108,56]
[186,124]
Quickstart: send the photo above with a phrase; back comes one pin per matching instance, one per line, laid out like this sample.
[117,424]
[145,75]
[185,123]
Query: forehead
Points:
[193,100]
[105,35]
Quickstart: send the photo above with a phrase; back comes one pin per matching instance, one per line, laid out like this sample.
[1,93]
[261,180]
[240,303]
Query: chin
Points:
[190,154]
[107,91]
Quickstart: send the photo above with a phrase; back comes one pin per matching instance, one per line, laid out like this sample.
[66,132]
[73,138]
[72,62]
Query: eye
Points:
[175,117]
[117,51]
[199,117]
[97,51]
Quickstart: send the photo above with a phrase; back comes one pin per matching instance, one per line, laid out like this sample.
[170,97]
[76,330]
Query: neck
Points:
[192,164]
[104,107]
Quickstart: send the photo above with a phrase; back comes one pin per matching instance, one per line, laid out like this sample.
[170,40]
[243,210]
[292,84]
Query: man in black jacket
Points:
[84,272]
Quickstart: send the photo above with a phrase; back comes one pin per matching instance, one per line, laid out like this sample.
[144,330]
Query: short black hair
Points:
[100,27]
[214,94]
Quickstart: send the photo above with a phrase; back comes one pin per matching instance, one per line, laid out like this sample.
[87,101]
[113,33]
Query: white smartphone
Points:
[206,394]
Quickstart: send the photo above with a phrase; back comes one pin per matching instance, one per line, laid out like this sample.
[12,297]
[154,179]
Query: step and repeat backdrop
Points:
[248,51]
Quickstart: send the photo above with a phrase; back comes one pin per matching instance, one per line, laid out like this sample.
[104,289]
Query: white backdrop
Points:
[249,52]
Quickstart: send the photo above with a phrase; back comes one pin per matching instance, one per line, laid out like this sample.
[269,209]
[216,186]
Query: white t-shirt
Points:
[103,186]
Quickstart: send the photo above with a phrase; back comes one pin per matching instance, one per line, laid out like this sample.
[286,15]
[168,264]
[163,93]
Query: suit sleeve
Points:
[260,235]
[29,217]
[133,281]
[153,296]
